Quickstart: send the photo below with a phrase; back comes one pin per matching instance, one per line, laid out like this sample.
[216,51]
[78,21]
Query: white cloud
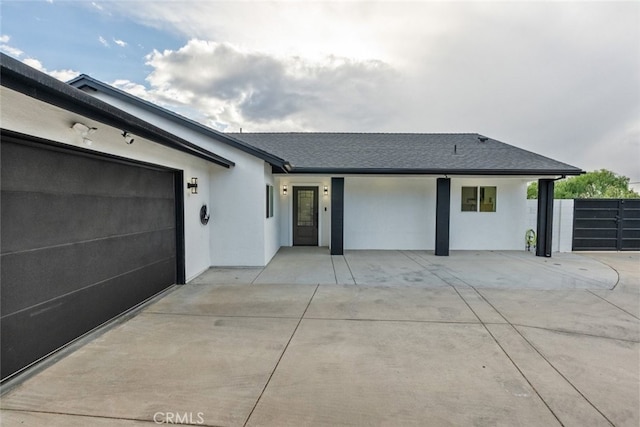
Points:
[103,41]
[134,89]
[619,144]
[97,6]
[9,50]
[63,75]
[34,63]
[120,43]
[557,78]
[13,51]
[232,87]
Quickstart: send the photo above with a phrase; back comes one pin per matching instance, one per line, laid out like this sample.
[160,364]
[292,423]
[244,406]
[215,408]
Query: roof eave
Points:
[35,84]
[452,172]
[84,81]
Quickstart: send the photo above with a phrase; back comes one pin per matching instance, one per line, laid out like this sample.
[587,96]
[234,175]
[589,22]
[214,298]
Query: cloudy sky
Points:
[558,78]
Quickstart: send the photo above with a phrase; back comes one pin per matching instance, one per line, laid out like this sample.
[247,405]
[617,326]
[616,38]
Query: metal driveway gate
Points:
[606,225]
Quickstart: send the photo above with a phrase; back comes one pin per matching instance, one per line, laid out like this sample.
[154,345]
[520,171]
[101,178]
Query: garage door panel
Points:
[83,237]
[33,277]
[33,333]
[35,220]
[87,175]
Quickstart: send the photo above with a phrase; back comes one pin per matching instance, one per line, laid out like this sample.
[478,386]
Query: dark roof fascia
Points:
[24,79]
[452,172]
[84,81]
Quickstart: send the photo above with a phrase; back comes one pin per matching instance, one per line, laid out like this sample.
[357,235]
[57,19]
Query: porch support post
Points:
[337,216]
[443,211]
[545,217]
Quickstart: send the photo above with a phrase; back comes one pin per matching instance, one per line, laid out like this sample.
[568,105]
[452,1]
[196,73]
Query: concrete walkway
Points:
[371,338]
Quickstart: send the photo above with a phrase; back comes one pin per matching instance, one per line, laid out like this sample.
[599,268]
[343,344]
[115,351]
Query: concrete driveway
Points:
[371,338]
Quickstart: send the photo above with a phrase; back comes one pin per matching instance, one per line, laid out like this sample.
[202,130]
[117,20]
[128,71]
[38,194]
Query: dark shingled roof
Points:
[433,153]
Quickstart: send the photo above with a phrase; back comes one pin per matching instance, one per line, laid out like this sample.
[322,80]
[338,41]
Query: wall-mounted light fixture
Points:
[127,137]
[284,190]
[84,131]
[193,185]
[326,190]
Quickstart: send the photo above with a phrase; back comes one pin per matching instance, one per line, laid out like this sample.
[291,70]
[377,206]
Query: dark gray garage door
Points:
[606,224]
[83,239]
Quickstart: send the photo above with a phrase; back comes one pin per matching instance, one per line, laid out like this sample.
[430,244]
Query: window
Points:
[269,201]
[486,201]
[306,209]
[469,199]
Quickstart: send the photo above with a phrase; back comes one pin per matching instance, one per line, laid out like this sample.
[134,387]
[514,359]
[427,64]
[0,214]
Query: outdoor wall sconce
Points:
[284,190]
[193,185]
[127,137]
[326,190]
[84,131]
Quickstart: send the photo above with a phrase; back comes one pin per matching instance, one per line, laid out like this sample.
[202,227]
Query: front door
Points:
[305,216]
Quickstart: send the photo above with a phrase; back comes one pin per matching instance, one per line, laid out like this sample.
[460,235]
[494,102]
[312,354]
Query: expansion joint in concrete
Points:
[506,353]
[574,333]
[284,350]
[616,306]
[541,355]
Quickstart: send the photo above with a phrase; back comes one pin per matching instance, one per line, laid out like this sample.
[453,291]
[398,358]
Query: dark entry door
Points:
[83,239]
[305,216]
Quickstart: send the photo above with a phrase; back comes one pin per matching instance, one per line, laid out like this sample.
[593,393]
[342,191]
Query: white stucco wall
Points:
[500,230]
[237,230]
[562,237]
[285,207]
[271,225]
[398,212]
[55,124]
[389,212]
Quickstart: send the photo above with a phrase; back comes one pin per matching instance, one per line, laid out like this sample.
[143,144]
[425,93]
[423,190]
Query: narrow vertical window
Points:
[269,201]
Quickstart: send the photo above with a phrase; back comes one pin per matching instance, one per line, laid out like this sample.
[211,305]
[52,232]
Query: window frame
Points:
[269,201]
[465,202]
[482,195]
[479,196]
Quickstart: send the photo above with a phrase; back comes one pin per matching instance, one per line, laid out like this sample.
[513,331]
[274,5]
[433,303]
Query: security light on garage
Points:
[84,131]
[127,137]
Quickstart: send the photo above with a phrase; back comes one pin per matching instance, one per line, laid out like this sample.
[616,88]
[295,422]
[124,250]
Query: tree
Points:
[532,190]
[602,184]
